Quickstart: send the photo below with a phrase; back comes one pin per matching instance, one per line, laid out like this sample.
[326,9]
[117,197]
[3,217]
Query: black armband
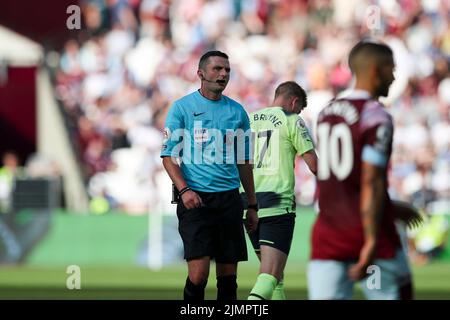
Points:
[184,190]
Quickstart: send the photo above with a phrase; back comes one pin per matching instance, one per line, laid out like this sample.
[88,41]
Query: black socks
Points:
[226,288]
[193,292]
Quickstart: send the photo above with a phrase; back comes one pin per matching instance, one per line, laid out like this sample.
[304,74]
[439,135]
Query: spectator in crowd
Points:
[9,171]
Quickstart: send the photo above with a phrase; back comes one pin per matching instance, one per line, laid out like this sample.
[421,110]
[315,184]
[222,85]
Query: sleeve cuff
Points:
[373,156]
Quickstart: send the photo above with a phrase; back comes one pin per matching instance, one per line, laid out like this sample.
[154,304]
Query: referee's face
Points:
[216,74]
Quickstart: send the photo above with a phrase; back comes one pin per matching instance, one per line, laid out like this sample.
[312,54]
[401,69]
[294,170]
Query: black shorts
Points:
[216,230]
[275,231]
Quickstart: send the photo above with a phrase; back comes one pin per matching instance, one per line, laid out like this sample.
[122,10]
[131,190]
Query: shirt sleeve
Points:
[173,129]
[377,130]
[300,137]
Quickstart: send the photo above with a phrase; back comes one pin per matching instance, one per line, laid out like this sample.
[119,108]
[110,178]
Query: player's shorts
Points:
[215,230]
[274,231]
[386,279]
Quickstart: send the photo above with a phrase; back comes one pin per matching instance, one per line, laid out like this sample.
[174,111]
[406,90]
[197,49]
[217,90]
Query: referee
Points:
[200,134]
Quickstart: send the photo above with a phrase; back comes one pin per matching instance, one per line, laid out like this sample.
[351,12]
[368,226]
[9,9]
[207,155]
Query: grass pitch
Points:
[431,282]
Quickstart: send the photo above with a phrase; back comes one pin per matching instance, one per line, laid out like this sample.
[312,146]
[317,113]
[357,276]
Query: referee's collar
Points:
[207,99]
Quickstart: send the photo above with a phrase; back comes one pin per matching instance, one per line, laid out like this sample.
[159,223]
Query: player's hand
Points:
[408,214]
[251,220]
[413,219]
[358,271]
[191,200]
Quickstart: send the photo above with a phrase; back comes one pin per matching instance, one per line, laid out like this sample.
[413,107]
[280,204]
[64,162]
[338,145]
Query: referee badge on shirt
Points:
[166,135]
[201,135]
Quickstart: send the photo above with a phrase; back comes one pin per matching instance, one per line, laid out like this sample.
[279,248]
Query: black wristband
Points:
[253,206]
[185,189]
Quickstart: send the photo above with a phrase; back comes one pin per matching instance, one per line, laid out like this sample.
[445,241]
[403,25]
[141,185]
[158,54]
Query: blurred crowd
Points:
[132,58]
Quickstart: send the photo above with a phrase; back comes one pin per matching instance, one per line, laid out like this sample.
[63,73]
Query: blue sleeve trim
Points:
[373,156]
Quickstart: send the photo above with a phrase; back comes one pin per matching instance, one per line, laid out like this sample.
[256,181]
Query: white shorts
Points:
[328,280]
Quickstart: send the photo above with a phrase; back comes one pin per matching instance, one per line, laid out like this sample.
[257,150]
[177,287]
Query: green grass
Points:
[113,241]
[27,282]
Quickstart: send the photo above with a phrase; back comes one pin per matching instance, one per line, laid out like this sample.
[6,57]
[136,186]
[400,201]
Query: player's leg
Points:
[273,262]
[198,272]
[194,227]
[226,281]
[328,280]
[263,283]
[393,280]
[278,293]
[230,246]
[275,237]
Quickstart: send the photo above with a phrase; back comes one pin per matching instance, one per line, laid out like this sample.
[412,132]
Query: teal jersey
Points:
[201,132]
[278,137]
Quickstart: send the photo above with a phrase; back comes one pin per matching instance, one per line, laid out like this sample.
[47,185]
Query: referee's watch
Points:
[253,206]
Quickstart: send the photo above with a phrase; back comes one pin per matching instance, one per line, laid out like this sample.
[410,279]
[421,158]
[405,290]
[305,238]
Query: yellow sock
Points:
[263,288]
[278,293]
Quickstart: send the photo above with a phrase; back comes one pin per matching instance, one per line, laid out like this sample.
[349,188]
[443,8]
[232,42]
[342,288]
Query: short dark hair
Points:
[292,89]
[365,49]
[204,59]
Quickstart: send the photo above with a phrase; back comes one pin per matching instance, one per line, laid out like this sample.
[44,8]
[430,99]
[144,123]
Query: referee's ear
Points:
[200,74]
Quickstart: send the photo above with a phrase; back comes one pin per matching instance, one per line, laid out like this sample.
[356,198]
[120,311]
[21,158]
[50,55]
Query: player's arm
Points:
[246,176]
[375,157]
[373,199]
[373,183]
[245,168]
[173,133]
[302,142]
[310,158]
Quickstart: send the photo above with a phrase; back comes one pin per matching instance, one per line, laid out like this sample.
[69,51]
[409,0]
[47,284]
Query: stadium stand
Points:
[132,58]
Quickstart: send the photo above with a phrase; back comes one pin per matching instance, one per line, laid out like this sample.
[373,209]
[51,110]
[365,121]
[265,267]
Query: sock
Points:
[263,288]
[278,293]
[226,288]
[193,292]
